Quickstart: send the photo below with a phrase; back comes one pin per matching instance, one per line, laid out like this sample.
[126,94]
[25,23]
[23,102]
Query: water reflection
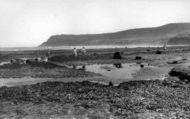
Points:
[118,65]
[114,71]
[4,62]
[120,72]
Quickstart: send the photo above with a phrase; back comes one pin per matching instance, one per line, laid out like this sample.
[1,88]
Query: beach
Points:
[69,87]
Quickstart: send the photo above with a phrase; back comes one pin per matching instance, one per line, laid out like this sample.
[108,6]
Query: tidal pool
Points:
[118,73]
[115,71]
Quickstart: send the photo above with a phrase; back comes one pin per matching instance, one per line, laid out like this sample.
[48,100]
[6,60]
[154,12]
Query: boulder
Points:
[181,71]
[118,65]
[142,66]
[117,55]
[110,83]
[177,60]
[138,58]
[158,52]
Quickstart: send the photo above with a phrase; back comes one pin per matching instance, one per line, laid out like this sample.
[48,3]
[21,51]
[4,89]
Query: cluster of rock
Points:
[99,101]
[181,71]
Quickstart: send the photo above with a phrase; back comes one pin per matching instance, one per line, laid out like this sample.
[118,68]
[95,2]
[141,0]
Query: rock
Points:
[173,62]
[148,50]
[138,58]
[110,83]
[28,61]
[138,62]
[177,60]
[142,66]
[158,52]
[181,71]
[118,65]
[117,55]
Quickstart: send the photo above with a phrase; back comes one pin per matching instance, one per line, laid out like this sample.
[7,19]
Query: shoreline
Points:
[92,47]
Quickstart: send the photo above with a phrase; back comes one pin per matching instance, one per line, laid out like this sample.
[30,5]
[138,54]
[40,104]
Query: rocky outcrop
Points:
[181,71]
[117,55]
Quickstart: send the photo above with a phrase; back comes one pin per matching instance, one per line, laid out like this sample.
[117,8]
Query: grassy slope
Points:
[156,35]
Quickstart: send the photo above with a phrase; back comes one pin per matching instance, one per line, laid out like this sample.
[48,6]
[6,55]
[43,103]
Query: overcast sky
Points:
[31,22]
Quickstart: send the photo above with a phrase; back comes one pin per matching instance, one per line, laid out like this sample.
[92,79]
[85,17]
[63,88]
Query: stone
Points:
[181,71]
[158,52]
[117,55]
[138,58]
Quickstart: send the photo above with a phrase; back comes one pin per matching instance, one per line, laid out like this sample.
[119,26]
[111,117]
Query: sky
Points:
[28,23]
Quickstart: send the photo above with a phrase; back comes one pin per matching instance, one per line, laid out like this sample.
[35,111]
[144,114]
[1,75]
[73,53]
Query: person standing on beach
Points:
[75,52]
[83,50]
[165,46]
[48,52]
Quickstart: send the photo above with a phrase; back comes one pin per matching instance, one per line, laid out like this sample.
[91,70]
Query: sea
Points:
[79,47]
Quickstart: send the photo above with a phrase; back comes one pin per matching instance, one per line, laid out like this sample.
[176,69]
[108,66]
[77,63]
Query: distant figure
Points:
[83,50]
[165,46]
[48,53]
[75,52]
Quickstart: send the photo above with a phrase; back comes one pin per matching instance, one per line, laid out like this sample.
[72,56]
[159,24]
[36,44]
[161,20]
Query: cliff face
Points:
[156,35]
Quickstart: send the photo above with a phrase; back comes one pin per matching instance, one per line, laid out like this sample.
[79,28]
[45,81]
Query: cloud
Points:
[31,22]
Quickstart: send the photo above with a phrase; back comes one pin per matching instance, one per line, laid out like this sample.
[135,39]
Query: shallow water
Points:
[4,62]
[29,80]
[87,47]
[118,73]
[115,71]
